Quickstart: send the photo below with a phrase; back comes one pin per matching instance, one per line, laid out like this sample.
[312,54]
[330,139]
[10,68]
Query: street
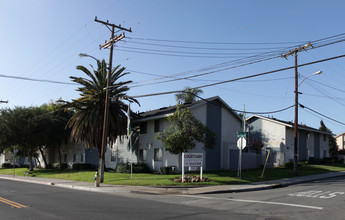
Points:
[315,200]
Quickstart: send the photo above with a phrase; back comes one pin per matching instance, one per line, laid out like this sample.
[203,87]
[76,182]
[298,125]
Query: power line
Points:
[203,48]
[210,42]
[241,78]
[258,113]
[36,80]
[302,106]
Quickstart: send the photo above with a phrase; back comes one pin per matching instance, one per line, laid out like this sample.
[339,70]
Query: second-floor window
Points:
[157,126]
[143,127]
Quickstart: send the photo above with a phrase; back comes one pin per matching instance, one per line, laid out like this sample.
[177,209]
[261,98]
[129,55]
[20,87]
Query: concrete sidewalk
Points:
[105,188]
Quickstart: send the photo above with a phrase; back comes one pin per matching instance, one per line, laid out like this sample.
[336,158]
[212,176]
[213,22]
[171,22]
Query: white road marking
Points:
[317,194]
[255,201]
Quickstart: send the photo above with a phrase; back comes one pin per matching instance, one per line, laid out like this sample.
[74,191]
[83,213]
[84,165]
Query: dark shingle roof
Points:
[162,112]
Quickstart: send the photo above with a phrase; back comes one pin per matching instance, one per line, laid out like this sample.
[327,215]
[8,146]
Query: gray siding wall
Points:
[213,121]
[91,156]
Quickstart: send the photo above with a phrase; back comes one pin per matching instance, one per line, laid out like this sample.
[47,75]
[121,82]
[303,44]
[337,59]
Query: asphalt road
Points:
[317,200]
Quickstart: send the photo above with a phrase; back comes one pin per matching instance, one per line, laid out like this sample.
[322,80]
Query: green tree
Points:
[87,122]
[188,95]
[185,131]
[333,146]
[53,129]
[21,129]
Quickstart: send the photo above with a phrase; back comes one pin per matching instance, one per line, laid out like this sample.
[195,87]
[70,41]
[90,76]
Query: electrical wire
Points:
[209,42]
[241,78]
[36,80]
[302,106]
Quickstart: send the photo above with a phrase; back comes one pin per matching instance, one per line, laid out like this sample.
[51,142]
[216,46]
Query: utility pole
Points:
[295,143]
[113,39]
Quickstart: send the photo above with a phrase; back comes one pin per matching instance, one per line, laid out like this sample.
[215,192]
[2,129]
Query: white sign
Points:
[241,143]
[193,159]
[192,169]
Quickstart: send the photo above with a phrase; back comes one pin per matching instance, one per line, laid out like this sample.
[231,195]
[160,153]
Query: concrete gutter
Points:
[106,188]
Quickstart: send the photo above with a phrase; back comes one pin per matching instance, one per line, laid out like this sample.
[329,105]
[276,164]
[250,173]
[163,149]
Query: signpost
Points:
[14,166]
[192,160]
[241,142]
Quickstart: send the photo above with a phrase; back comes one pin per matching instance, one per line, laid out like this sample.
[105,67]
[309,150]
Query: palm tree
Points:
[188,95]
[87,122]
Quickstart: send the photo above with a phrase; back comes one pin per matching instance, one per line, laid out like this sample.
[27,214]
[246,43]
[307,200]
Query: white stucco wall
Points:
[230,126]
[121,152]
[324,146]
[69,150]
[340,141]
[310,145]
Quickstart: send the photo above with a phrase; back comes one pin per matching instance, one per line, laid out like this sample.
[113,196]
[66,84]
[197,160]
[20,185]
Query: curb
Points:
[185,190]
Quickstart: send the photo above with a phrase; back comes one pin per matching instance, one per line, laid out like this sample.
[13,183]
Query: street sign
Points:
[241,143]
[241,134]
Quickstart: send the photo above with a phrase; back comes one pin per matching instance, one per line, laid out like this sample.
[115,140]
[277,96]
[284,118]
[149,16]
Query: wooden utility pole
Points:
[295,143]
[113,39]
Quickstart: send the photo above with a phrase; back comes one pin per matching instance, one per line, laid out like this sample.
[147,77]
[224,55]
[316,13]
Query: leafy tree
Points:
[185,131]
[54,129]
[333,146]
[21,128]
[87,122]
[188,95]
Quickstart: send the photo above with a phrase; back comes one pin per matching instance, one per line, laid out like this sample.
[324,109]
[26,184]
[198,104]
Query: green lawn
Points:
[216,178]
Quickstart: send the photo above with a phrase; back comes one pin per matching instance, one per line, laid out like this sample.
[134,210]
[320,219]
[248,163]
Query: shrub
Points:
[6,165]
[123,168]
[167,170]
[83,166]
[141,168]
[299,164]
[64,166]
[137,168]
[24,166]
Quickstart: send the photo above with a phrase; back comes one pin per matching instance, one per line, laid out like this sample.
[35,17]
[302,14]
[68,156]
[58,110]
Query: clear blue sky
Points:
[41,39]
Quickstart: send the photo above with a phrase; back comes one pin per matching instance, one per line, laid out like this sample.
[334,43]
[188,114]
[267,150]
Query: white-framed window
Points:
[142,155]
[157,125]
[143,127]
[158,154]
[82,157]
[112,156]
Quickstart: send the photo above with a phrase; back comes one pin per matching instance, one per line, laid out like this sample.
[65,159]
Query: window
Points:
[143,127]
[65,158]
[157,154]
[112,157]
[324,137]
[142,155]
[157,127]
[74,157]
[82,157]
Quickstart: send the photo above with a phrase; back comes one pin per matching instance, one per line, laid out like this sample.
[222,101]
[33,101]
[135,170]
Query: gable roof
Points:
[288,124]
[339,135]
[167,111]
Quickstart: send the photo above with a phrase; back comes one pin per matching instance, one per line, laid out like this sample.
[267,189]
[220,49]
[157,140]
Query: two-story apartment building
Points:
[340,138]
[278,136]
[212,112]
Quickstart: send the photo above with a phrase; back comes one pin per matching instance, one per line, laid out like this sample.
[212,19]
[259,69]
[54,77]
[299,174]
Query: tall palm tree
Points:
[188,95]
[87,122]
